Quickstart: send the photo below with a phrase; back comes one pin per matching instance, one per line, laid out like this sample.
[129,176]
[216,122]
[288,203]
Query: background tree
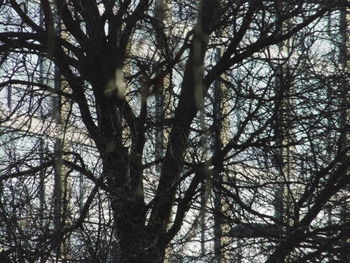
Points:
[84,81]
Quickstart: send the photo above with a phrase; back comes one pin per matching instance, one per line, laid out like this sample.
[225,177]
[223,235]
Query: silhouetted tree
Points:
[89,85]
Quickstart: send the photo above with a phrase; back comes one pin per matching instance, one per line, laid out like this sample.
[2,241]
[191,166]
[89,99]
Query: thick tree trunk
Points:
[134,243]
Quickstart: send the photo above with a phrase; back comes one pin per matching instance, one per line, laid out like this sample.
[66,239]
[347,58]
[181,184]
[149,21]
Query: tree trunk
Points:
[134,243]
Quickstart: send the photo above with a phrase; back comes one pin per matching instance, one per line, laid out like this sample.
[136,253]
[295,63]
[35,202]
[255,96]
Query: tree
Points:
[106,65]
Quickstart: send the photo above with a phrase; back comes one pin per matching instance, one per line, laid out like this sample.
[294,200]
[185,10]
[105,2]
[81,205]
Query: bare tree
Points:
[114,63]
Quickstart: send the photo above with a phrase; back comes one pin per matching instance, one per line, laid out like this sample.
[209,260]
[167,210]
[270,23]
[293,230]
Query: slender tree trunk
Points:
[344,116]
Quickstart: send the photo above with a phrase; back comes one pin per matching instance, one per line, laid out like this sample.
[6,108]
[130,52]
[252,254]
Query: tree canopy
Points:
[155,130]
